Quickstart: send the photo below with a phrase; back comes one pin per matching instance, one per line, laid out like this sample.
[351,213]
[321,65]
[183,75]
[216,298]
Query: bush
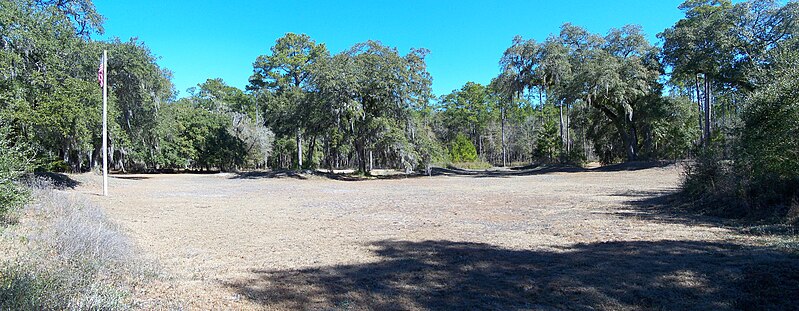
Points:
[761,177]
[712,182]
[768,152]
[14,164]
[761,173]
[462,149]
[576,157]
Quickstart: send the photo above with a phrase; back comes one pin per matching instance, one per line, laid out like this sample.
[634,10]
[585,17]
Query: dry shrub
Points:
[70,257]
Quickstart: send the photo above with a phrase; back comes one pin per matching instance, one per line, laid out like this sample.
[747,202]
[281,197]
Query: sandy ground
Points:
[542,240]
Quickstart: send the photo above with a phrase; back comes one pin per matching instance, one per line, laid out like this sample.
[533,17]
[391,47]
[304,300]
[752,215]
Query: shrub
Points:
[711,181]
[761,170]
[760,178]
[768,152]
[14,164]
[462,149]
[576,156]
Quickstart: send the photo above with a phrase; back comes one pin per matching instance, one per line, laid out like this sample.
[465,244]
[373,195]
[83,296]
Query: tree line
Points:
[721,87]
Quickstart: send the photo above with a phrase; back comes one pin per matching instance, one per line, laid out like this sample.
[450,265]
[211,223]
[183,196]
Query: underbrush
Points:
[721,187]
[65,254]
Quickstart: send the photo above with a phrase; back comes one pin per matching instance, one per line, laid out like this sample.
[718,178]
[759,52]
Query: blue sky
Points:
[198,40]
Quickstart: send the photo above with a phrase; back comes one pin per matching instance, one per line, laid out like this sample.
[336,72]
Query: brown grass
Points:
[545,239]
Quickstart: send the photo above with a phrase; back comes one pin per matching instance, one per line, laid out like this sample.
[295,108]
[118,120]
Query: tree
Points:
[748,65]
[286,72]
[387,87]
[698,48]
[467,111]
[211,129]
[618,75]
[140,89]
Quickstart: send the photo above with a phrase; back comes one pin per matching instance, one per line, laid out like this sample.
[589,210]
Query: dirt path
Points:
[576,240]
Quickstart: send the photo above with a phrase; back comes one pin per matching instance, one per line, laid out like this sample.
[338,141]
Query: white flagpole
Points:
[105,123]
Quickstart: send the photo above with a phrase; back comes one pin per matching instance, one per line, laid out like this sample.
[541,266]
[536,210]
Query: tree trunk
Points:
[311,151]
[299,149]
[480,139]
[708,108]
[699,109]
[562,134]
[328,155]
[632,150]
[568,135]
[541,91]
[359,147]
[504,152]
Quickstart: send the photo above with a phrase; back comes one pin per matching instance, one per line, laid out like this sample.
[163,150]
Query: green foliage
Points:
[574,97]
[747,168]
[673,129]
[547,143]
[52,96]
[462,149]
[212,129]
[366,100]
[14,162]
[768,150]
[285,153]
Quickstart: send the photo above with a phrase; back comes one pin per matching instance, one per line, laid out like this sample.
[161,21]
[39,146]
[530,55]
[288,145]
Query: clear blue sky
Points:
[198,40]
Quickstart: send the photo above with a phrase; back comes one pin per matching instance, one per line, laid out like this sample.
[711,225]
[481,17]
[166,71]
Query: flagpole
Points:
[105,123]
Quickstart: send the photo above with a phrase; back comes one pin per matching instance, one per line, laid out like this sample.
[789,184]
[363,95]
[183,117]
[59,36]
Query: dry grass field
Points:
[507,240]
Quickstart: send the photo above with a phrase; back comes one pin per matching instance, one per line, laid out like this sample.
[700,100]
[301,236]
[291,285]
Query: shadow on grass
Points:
[59,181]
[535,169]
[444,275]
[130,177]
[528,170]
[512,172]
[676,207]
[270,174]
[303,175]
[669,206]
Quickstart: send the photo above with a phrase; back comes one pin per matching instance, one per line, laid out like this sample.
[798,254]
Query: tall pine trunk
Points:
[699,110]
[708,109]
[299,149]
[504,152]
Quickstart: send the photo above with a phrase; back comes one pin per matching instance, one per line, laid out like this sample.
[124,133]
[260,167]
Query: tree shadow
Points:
[537,169]
[303,175]
[676,207]
[445,275]
[511,172]
[667,206]
[528,170]
[57,180]
[131,177]
[633,166]
[270,174]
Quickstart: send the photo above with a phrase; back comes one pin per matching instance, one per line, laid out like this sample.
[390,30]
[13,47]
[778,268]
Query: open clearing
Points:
[540,240]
